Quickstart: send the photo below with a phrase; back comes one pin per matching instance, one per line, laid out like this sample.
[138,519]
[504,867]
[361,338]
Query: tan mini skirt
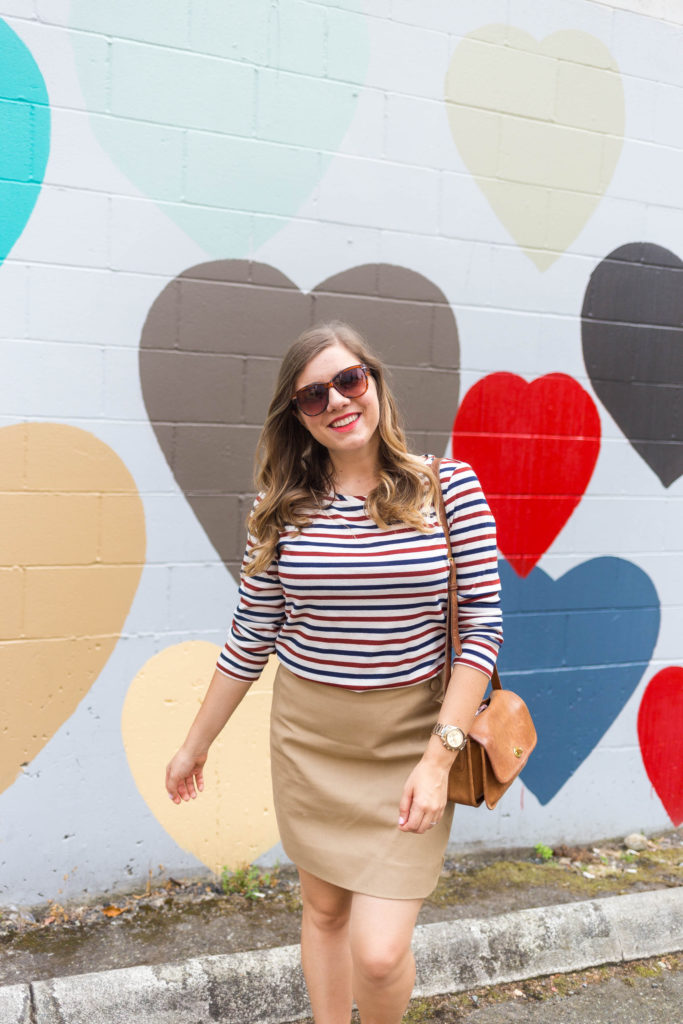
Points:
[339,761]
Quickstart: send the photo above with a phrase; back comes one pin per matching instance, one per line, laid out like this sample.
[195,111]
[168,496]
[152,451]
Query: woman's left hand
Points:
[424,797]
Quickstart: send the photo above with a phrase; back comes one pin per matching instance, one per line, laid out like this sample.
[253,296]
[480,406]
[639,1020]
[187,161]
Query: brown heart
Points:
[211,347]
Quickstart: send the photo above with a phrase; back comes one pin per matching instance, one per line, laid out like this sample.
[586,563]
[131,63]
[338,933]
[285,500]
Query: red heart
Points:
[660,727]
[534,447]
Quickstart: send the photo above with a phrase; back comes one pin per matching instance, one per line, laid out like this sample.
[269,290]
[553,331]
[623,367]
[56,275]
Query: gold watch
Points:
[452,736]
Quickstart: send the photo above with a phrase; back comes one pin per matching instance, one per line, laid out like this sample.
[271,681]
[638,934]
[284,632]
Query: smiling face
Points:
[348,427]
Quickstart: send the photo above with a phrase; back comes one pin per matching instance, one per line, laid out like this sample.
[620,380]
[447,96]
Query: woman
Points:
[344,577]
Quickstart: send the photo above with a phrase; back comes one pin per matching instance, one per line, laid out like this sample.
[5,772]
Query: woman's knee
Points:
[327,918]
[380,962]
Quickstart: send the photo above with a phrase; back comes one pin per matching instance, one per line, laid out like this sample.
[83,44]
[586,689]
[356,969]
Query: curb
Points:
[267,986]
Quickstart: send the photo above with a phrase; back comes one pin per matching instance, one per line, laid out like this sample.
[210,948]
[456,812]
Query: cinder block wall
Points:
[491,192]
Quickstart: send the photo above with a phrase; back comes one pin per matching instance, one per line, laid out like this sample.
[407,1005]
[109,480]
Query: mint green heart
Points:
[25,133]
[225,112]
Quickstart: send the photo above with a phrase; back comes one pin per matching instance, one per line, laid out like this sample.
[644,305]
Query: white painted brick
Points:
[651,173]
[365,135]
[124,300]
[403,59]
[77,159]
[465,212]
[381,195]
[95,306]
[136,445]
[67,226]
[529,344]
[610,526]
[616,782]
[440,259]
[647,47]
[336,246]
[668,649]
[149,611]
[540,20]
[13,299]
[145,240]
[122,396]
[640,106]
[80,155]
[203,582]
[19,9]
[47,380]
[664,226]
[668,117]
[614,222]
[445,16]
[417,132]
[61,57]
[62,303]
[620,471]
[174,534]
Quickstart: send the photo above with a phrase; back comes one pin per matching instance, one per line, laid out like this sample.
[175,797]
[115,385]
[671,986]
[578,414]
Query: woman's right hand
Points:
[184,775]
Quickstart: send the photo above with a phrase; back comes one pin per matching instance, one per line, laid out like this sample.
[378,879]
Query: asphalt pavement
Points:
[644,992]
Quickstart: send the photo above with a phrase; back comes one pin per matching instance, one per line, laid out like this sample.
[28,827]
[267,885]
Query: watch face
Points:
[454,738]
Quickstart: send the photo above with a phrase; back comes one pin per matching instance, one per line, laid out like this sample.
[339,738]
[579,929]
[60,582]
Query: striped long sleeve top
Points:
[349,604]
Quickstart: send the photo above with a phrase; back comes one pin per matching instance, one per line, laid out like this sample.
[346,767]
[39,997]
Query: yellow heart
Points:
[540,126]
[72,547]
[232,821]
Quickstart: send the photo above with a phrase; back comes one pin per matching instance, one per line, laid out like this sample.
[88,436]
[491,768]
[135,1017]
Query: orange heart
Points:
[232,821]
[72,549]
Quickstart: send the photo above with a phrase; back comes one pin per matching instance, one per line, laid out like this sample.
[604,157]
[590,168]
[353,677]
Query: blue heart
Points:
[25,132]
[575,649]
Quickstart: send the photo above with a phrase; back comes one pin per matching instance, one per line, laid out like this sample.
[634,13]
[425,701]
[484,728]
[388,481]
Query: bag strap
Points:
[453,641]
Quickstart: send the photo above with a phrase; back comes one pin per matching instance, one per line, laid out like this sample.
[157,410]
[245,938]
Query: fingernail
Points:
[401,821]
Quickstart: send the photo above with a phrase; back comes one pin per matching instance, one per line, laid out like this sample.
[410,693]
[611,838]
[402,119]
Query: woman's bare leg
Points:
[325,954]
[380,933]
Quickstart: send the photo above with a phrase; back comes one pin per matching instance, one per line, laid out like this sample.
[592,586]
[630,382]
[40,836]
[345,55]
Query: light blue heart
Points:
[25,133]
[575,649]
[225,112]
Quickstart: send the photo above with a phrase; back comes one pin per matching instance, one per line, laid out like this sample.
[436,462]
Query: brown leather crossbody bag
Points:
[502,735]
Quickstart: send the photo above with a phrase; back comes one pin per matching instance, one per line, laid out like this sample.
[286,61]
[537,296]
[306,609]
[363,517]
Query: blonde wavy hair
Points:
[294,472]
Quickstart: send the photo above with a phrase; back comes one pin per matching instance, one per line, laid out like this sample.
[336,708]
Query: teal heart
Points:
[25,133]
[224,112]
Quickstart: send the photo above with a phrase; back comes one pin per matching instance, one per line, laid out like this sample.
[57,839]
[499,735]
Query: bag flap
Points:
[506,732]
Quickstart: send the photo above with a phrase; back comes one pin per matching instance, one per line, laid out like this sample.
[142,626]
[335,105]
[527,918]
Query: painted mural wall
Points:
[492,191]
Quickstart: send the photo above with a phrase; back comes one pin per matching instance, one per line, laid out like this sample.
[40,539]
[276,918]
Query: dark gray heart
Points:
[632,329]
[211,347]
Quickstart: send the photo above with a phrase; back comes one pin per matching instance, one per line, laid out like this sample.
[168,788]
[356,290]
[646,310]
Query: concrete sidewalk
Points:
[267,986]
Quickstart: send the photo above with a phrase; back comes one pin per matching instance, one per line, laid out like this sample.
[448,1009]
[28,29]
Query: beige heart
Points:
[232,821]
[540,126]
[72,547]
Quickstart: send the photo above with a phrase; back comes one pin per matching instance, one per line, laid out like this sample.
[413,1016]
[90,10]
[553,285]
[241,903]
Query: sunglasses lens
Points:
[352,382]
[313,400]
